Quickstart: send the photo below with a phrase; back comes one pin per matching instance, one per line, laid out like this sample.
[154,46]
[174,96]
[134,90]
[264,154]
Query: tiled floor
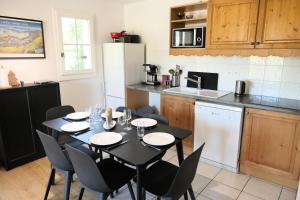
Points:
[213,183]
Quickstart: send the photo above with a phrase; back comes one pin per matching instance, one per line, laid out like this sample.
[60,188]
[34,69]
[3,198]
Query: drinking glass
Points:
[122,121]
[127,115]
[140,130]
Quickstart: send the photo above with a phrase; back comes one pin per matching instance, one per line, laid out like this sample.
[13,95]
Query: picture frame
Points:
[21,38]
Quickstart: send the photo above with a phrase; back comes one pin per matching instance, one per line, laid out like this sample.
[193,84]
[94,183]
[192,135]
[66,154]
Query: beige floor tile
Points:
[174,160]
[245,196]
[207,170]
[234,180]
[200,197]
[169,155]
[287,194]
[199,183]
[263,189]
[219,191]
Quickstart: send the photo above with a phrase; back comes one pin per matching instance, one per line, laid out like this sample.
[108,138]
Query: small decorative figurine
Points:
[12,79]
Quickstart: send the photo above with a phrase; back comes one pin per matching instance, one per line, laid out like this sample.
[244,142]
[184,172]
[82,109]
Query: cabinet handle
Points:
[252,43]
[257,43]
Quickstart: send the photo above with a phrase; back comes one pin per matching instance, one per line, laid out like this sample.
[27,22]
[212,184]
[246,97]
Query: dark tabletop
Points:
[133,151]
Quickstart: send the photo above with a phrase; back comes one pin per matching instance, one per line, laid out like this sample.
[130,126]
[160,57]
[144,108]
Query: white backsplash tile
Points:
[290,73]
[271,76]
[256,72]
[274,60]
[289,90]
[273,73]
[271,88]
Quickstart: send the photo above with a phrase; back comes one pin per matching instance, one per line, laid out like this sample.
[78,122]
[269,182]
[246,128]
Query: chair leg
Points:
[81,193]
[50,182]
[191,192]
[68,180]
[144,194]
[131,190]
[103,196]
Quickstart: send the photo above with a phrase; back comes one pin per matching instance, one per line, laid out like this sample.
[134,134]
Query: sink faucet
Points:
[198,81]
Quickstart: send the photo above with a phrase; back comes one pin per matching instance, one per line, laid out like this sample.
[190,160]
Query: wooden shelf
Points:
[189,20]
[233,52]
[191,7]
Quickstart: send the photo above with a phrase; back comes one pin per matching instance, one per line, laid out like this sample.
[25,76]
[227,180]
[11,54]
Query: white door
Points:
[114,102]
[114,76]
[220,130]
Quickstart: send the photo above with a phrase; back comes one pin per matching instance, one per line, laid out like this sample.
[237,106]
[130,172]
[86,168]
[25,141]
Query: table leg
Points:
[139,189]
[180,155]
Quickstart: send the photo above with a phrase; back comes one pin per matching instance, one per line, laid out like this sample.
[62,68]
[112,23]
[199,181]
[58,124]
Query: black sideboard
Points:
[22,111]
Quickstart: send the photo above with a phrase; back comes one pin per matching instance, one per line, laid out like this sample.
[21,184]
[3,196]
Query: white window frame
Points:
[64,74]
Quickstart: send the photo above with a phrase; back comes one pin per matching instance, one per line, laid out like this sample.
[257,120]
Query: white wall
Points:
[79,93]
[271,76]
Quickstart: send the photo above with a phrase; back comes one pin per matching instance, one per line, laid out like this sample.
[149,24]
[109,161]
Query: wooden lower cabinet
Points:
[180,112]
[271,146]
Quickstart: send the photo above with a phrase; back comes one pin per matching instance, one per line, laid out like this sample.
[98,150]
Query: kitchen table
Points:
[133,152]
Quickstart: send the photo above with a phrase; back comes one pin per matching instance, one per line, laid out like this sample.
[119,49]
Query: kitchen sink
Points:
[215,94]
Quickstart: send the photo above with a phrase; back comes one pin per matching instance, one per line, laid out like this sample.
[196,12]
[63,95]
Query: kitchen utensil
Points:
[105,138]
[240,87]
[116,145]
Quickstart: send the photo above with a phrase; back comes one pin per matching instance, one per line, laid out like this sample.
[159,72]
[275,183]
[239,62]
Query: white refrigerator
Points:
[122,66]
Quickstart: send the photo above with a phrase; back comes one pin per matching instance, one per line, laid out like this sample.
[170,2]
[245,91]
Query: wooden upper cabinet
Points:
[279,24]
[232,23]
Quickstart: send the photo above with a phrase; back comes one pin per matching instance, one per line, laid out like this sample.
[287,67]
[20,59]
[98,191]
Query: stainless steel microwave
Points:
[188,37]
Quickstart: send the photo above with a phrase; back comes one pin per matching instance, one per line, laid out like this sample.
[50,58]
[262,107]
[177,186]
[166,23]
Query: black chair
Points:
[170,182]
[57,112]
[122,108]
[62,139]
[59,161]
[149,112]
[105,177]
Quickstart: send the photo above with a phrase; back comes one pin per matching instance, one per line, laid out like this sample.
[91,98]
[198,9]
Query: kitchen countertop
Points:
[251,101]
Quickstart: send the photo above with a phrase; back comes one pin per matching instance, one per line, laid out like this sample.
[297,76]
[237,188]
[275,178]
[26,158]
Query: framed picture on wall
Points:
[21,38]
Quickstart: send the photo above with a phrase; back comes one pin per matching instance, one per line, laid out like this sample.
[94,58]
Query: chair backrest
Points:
[122,108]
[145,111]
[159,118]
[185,175]
[54,153]
[59,111]
[87,171]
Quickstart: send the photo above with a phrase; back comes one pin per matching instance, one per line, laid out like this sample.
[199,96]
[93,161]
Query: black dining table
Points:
[133,152]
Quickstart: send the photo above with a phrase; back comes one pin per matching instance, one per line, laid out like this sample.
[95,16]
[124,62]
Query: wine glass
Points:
[127,115]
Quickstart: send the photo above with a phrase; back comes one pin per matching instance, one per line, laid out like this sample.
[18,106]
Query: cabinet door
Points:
[41,99]
[232,23]
[279,24]
[270,146]
[180,112]
[15,126]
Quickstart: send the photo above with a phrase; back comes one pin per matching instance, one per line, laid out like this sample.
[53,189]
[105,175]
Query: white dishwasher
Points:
[219,126]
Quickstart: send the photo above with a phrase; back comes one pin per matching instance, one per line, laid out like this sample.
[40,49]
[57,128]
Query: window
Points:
[75,44]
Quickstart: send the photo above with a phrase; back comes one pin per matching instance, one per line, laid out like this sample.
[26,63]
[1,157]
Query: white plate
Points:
[75,126]
[159,139]
[115,115]
[106,138]
[78,115]
[144,122]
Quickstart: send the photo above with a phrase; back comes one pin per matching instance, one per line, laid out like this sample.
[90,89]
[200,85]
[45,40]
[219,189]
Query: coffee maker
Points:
[151,74]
